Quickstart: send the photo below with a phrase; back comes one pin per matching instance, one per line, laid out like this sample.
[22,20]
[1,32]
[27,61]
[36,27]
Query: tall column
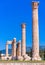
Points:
[19,49]
[14,47]
[23,46]
[7,49]
[35,32]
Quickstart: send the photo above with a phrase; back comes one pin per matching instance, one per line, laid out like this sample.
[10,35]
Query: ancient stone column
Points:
[7,49]
[23,43]
[18,52]
[19,49]
[35,32]
[14,48]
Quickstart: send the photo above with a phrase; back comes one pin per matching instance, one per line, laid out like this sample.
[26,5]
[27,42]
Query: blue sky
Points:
[15,12]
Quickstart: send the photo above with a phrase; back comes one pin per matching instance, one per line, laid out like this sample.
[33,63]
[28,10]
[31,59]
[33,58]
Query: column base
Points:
[36,58]
[13,58]
[20,58]
[26,57]
[6,58]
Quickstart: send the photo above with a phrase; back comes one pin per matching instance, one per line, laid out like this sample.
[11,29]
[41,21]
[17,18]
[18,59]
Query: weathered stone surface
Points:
[14,48]
[35,30]
[6,58]
[23,45]
[26,57]
[8,42]
[20,58]
[19,48]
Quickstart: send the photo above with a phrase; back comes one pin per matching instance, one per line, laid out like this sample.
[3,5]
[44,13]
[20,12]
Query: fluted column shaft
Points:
[18,49]
[23,46]
[14,48]
[35,32]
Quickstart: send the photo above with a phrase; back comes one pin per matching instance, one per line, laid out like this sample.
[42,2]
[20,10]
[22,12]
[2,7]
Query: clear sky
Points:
[15,12]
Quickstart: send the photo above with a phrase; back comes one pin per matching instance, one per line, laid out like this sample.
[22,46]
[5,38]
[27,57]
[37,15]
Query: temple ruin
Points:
[19,48]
